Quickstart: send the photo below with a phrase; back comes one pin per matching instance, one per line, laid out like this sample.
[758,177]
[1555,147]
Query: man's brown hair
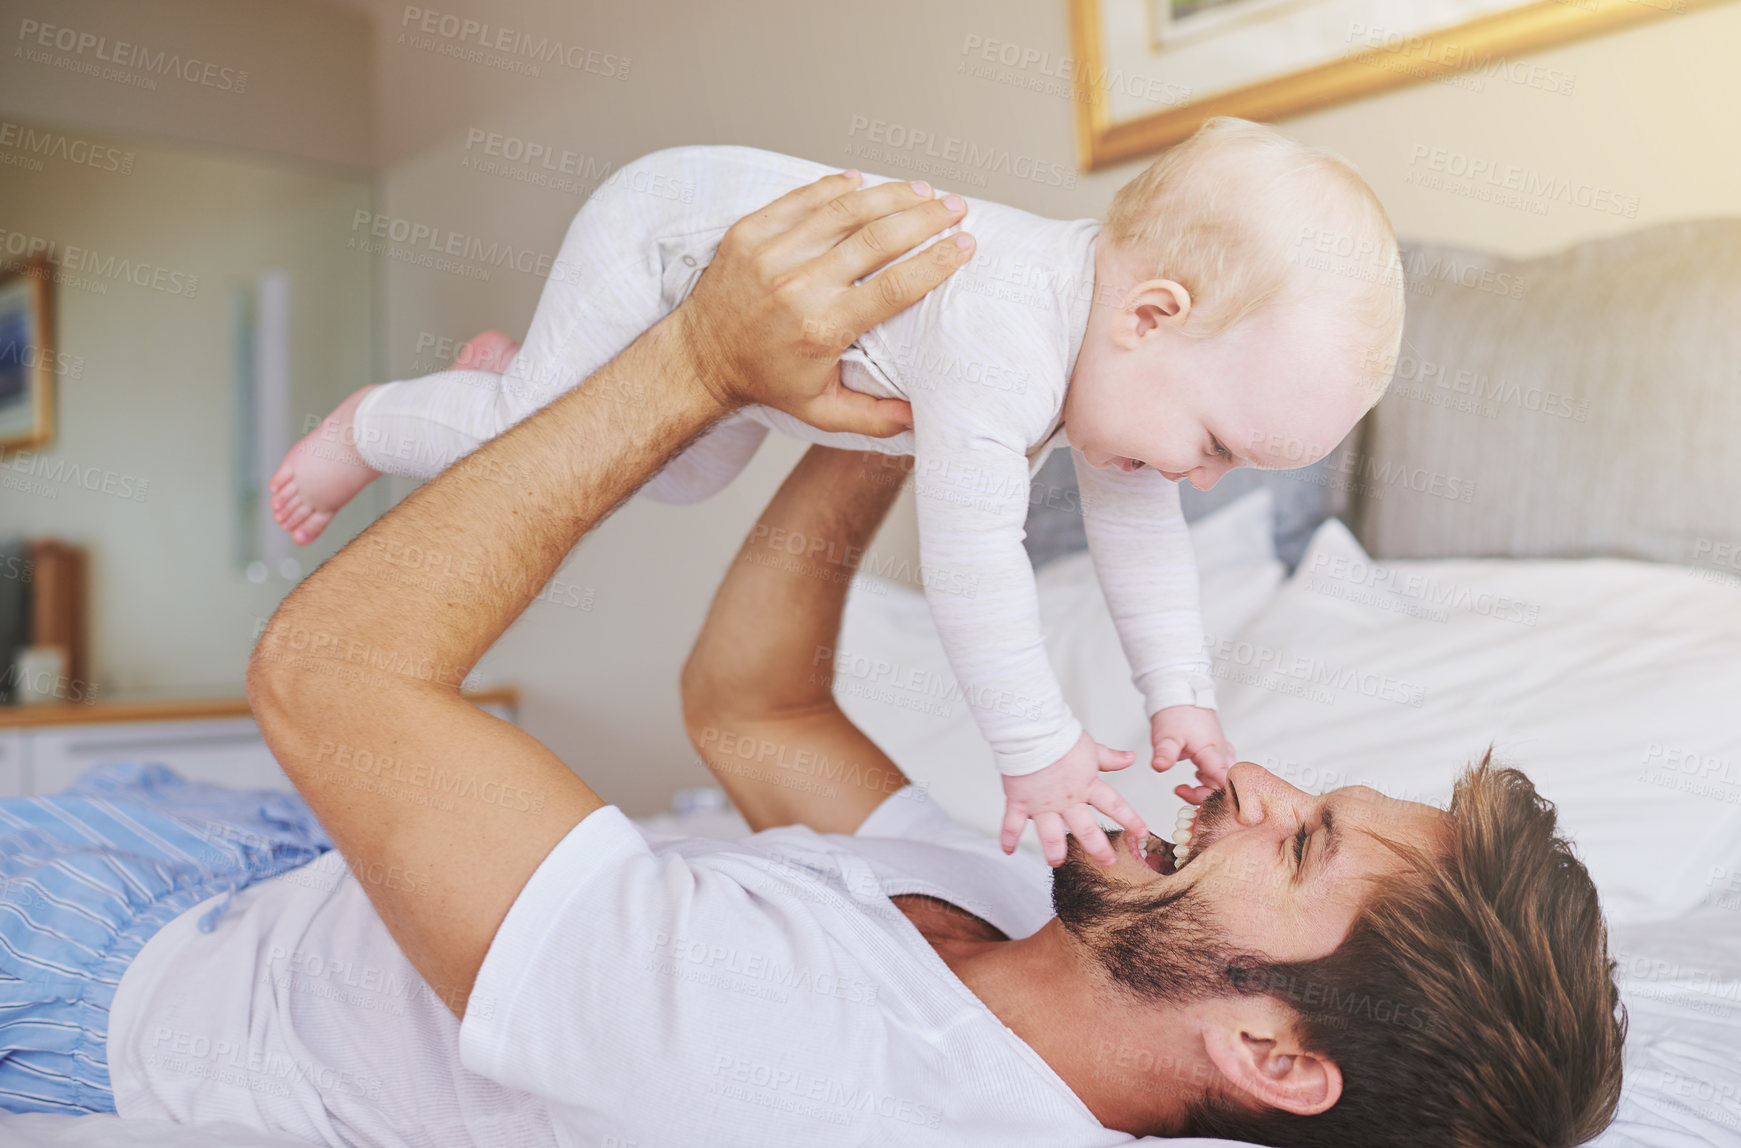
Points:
[1473,1002]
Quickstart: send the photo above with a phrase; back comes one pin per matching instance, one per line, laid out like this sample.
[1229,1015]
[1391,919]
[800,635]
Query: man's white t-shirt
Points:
[642,991]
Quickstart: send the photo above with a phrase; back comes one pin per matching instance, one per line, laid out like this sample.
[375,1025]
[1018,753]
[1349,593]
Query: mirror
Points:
[206,309]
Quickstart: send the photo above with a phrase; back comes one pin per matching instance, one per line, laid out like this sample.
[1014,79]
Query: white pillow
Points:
[893,680]
[1612,684]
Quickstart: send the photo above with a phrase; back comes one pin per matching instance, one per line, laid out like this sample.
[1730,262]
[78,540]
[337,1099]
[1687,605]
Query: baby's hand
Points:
[1191,732]
[1059,797]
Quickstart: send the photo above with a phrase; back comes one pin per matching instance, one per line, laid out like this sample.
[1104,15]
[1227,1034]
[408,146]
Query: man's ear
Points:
[1150,304]
[1263,1060]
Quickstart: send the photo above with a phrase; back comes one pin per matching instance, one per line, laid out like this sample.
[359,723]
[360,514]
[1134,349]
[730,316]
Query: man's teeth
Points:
[1181,842]
[1182,833]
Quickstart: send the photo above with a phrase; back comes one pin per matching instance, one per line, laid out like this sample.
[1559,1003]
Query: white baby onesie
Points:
[984,359]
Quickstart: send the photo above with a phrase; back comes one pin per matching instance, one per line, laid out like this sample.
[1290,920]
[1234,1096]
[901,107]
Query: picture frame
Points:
[1147,73]
[27,355]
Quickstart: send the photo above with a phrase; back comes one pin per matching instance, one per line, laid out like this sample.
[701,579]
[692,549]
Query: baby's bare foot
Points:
[487,351]
[320,474]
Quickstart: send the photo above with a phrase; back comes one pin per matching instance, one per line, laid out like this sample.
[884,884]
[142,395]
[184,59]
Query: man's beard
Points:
[1159,946]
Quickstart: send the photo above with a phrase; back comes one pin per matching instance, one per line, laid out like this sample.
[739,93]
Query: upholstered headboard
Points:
[1576,404]
[1582,403]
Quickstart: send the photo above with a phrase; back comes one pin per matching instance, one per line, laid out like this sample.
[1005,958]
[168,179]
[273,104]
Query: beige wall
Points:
[141,467]
[1646,135]
[1650,112]
[212,174]
[278,77]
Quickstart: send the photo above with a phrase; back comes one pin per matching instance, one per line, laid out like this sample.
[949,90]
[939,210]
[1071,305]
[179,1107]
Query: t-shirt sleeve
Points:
[942,858]
[913,814]
[501,1035]
[617,964]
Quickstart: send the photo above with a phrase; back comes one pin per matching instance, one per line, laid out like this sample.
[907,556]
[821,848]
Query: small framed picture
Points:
[26,355]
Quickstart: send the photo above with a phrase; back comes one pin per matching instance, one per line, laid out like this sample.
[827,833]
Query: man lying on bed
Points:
[509,961]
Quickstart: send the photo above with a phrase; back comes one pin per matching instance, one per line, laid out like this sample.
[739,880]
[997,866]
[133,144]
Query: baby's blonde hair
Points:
[1235,214]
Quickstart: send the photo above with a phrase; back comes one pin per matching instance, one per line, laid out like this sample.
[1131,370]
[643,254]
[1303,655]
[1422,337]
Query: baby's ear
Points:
[1157,302]
[1167,297]
[1256,1051]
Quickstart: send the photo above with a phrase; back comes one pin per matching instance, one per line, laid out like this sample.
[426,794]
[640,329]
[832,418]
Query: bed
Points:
[1533,542]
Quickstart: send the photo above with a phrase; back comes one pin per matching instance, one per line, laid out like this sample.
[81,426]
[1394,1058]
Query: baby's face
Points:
[1279,390]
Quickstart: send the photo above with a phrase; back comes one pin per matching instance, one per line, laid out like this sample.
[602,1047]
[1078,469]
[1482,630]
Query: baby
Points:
[1184,337]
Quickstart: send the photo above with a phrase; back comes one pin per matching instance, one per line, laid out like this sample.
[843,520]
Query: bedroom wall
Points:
[1646,123]
[287,78]
[147,397]
[231,136]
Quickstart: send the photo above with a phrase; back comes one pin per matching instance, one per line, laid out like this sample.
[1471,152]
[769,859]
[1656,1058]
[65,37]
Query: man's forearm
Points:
[765,645]
[432,585]
[757,692]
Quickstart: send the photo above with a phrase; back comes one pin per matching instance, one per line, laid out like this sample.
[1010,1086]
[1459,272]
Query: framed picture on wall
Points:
[26,356]
[1149,72]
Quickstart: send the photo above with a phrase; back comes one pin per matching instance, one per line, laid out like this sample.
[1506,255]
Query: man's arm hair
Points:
[758,696]
[355,681]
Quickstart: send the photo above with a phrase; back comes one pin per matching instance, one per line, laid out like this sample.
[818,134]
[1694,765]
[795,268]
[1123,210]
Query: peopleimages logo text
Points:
[124,54]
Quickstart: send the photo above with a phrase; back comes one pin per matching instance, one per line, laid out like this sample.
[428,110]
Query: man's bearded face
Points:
[1155,939]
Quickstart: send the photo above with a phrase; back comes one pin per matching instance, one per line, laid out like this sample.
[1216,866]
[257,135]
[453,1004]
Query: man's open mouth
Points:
[1157,856]
[1167,858]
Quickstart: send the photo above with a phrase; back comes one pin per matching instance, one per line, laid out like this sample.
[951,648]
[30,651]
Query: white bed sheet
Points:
[1590,667]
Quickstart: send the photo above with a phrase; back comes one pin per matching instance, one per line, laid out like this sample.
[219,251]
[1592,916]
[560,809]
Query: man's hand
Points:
[1181,733]
[770,317]
[1060,797]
